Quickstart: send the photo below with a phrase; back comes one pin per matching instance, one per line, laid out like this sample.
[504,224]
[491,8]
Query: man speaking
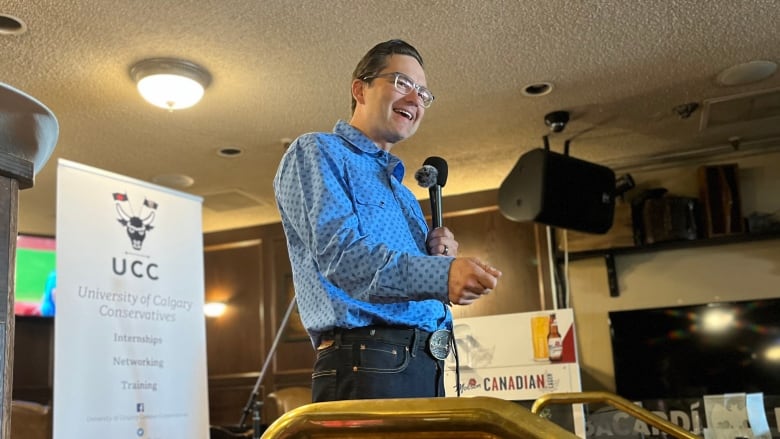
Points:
[373,285]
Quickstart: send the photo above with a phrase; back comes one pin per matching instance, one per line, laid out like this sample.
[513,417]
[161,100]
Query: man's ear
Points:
[357,90]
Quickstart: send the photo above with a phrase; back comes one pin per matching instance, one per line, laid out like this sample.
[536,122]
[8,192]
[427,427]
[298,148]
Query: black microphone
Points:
[433,175]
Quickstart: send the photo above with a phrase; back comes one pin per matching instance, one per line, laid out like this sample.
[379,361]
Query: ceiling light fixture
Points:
[10,25]
[177,181]
[747,73]
[169,83]
[230,152]
[538,89]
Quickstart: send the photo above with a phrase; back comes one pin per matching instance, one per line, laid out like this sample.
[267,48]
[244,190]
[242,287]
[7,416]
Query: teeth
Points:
[407,114]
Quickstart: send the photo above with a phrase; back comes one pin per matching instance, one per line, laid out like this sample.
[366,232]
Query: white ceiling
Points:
[282,67]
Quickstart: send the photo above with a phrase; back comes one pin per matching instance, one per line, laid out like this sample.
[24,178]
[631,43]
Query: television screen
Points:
[697,350]
[35,276]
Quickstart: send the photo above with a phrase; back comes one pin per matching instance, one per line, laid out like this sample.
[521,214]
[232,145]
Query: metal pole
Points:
[255,391]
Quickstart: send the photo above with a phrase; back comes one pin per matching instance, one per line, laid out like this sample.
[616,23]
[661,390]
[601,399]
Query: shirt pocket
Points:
[379,214]
[371,206]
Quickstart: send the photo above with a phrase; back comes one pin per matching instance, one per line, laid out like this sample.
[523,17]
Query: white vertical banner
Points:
[130,339]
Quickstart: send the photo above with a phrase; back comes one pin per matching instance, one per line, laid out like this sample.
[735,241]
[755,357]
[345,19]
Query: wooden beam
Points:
[9,204]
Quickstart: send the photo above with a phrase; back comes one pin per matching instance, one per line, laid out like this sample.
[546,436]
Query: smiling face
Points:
[383,113]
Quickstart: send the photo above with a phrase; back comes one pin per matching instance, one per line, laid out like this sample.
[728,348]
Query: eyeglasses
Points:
[405,85]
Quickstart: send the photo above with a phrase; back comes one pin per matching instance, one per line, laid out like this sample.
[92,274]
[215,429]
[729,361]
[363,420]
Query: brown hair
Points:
[376,59]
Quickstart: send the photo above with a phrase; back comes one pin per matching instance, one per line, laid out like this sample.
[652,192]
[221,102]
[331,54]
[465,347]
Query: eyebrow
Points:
[412,80]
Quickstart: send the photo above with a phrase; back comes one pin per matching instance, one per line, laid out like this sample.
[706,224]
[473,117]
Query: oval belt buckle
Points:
[439,344]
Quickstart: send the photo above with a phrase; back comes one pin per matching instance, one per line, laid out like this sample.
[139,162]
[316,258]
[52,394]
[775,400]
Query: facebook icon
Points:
[139,408]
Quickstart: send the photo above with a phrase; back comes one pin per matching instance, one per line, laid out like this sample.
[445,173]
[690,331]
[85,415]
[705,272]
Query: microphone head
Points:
[426,176]
[441,169]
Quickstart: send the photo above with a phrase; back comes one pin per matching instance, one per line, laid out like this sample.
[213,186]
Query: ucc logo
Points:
[137,268]
[136,226]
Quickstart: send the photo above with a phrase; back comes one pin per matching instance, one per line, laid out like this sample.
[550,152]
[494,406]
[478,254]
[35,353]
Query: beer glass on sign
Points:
[539,332]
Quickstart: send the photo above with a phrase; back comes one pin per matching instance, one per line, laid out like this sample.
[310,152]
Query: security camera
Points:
[556,120]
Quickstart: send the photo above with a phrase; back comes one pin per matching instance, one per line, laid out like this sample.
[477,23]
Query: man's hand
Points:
[470,279]
[441,241]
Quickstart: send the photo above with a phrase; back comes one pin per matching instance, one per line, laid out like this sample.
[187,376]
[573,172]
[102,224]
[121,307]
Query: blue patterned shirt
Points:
[356,237]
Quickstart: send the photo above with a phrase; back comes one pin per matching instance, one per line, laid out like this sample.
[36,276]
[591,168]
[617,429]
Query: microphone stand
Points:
[254,405]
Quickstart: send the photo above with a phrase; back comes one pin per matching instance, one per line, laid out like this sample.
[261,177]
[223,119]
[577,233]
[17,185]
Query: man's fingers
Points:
[470,279]
[467,297]
[493,271]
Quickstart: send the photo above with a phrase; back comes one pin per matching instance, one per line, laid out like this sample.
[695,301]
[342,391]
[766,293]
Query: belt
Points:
[437,342]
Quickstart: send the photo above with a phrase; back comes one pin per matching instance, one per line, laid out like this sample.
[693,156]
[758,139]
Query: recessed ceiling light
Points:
[230,152]
[10,25]
[747,73]
[538,89]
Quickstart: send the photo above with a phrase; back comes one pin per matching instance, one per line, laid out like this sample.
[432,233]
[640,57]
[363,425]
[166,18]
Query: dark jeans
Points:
[376,362]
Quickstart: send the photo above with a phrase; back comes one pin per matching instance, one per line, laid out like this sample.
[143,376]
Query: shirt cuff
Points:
[428,276]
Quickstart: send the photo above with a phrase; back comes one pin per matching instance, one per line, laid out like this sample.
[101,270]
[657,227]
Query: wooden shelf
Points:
[609,253]
[675,245]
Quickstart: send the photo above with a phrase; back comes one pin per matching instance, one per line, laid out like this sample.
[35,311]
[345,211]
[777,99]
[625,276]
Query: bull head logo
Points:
[136,226]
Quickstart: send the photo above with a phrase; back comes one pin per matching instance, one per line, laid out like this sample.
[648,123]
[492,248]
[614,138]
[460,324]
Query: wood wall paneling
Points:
[233,270]
[295,355]
[233,275]
[33,355]
[510,247]
[251,267]
[228,396]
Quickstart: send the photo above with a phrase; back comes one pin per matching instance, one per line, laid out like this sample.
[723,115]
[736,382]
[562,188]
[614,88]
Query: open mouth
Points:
[404,113]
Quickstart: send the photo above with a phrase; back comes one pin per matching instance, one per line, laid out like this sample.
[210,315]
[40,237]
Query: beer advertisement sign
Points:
[517,357]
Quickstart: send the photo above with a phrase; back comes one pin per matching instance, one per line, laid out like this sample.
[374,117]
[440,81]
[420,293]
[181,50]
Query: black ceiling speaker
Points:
[559,190]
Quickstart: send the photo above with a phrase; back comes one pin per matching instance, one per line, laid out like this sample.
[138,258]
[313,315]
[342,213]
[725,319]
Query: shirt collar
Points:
[356,138]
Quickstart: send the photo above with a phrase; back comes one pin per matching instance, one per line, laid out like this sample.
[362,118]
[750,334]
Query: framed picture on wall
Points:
[293,330]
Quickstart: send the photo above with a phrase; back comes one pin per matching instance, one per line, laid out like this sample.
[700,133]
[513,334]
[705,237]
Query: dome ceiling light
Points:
[169,83]
[747,73]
